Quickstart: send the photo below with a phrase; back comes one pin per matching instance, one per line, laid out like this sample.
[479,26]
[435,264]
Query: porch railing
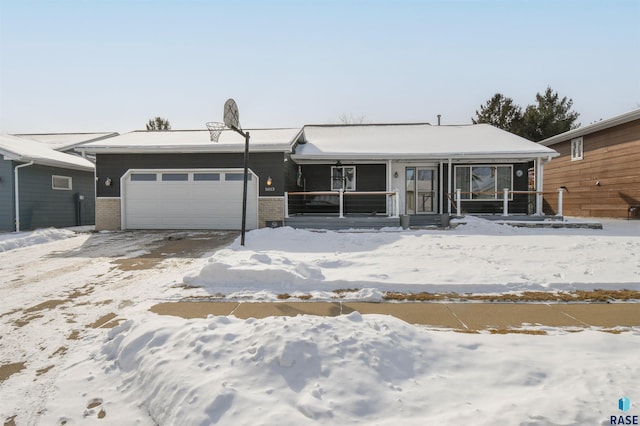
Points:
[457,198]
[392,200]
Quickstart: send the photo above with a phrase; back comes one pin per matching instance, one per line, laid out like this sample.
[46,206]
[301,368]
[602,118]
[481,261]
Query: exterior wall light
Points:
[269,181]
[107,182]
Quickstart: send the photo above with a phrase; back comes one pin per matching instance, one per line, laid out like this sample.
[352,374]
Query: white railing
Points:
[506,193]
[392,199]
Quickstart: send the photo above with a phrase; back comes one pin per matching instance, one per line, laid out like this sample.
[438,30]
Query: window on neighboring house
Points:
[343,177]
[576,149]
[483,182]
[63,183]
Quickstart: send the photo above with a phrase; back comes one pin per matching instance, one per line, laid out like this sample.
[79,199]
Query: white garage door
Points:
[187,199]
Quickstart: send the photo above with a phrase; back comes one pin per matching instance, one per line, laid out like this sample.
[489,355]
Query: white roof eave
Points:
[592,128]
[182,149]
[51,163]
[421,156]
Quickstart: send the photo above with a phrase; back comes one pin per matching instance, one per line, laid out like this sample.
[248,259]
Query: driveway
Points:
[51,294]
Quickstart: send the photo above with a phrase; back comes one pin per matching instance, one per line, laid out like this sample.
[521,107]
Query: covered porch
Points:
[381,173]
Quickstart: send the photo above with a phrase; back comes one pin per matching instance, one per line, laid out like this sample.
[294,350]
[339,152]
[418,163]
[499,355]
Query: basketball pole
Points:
[232,121]
[244,184]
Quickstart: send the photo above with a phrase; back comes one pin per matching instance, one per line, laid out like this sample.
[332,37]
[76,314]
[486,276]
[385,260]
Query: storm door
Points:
[420,194]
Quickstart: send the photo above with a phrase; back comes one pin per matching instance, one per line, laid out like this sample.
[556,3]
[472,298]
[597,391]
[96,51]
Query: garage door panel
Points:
[213,204]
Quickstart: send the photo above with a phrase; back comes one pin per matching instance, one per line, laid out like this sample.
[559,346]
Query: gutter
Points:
[17,194]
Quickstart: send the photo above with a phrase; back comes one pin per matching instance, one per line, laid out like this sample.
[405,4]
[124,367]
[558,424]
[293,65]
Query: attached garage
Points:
[187,199]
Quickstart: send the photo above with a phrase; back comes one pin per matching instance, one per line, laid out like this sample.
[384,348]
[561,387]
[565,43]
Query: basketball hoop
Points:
[215,128]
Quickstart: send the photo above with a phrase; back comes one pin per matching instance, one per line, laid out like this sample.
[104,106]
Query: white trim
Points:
[497,190]
[108,198]
[69,180]
[371,158]
[577,149]
[592,128]
[344,186]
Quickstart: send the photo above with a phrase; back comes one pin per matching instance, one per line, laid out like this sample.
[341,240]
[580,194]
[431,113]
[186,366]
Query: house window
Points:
[343,177]
[576,149]
[483,182]
[63,183]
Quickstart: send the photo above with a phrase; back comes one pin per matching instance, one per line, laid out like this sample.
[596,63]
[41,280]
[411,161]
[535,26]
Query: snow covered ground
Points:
[478,257]
[351,369]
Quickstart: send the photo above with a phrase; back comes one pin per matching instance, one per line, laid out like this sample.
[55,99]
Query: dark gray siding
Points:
[41,206]
[6,196]
[264,164]
[317,177]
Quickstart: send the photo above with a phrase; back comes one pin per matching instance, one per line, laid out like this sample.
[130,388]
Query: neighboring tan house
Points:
[43,187]
[181,179]
[599,168]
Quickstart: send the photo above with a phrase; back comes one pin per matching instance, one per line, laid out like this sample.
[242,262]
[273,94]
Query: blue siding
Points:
[41,206]
[6,196]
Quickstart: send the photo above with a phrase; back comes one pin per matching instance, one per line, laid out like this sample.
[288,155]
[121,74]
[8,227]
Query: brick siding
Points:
[108,214]
[270,208]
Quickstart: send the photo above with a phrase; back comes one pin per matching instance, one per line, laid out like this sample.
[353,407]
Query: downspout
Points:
[17,194]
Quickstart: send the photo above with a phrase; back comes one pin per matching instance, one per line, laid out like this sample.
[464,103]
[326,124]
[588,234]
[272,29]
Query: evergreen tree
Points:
[501,112]
[549,117]
[158,124]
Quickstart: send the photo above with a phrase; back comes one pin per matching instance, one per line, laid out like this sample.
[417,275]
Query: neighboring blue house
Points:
[42,186]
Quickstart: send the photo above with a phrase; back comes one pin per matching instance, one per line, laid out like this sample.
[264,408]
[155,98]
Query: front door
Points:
[420,192]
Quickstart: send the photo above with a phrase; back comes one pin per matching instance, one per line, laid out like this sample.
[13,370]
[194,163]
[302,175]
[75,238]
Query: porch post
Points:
[286,205]
[560,195]
[449,183]
[396,212]
[539,187]
[505,202]
[341,195]
[440,188]
[458,201]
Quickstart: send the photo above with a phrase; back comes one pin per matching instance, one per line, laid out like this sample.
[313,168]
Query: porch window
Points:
[483,182]
[576,149]
[343,177]
[63,183]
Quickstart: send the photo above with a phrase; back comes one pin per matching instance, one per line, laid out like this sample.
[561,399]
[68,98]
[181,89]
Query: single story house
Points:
[181,179]
[42,187]
[598,167]
[418,169]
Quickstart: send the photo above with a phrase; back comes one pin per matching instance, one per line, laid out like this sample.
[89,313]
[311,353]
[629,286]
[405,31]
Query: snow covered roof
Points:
[16,148]
[592,128]
[183,141]
[64,141]
[414,141]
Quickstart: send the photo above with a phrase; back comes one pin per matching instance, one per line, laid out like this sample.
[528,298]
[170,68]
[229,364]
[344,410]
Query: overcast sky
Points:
[110,65]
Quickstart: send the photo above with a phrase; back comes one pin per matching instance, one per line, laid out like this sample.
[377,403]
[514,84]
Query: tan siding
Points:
[612,159]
